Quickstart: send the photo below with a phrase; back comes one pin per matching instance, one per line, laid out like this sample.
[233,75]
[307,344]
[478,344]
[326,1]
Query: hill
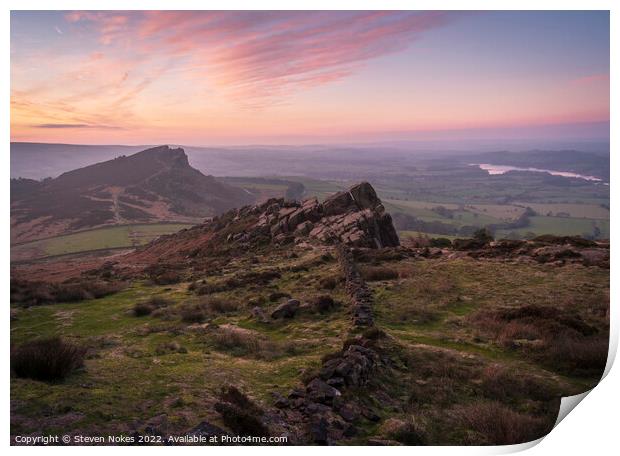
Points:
[311,321]
[157,184]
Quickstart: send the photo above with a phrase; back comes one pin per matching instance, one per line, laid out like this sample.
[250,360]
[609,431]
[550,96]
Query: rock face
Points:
[355,217]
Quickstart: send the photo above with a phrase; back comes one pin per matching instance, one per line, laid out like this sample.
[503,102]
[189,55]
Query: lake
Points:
[502,169]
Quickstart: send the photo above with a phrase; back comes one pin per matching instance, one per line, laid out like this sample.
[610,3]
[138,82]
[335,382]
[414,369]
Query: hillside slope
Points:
[255,323]
[157,184]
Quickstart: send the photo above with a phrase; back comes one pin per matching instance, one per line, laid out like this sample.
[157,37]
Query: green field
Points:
[561,226]
[112,237]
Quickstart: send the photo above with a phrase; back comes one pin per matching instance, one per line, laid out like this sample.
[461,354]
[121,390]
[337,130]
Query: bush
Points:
[193,314]
[48,359]
[240,413]
[166,278]
[240,420]
[502,384]
[328,283]
[372,273]
[218,305]
[579,355]
[29,293]
[441,242]
[323,303]
[483,235]
[278,295]
[408,432]
[142,309]
[499,425]
[240,341]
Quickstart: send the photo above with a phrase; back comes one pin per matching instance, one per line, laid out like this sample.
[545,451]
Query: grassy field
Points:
[161,371]
[414,234]
[100,238]
[562,226]
[132,377]
[590,211]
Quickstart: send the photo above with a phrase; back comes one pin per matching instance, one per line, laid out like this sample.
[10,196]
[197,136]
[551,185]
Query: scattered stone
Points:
[320,391]
[260,315]
[286,310]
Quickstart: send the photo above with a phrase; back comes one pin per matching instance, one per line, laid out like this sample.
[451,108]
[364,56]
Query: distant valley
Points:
[134,199]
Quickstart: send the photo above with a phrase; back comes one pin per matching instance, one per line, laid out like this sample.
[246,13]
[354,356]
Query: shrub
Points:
[29,293]
[209,288]
[240,413]
[372,273]
[328,283]
[408,432]
[483,235]
[441,242]
[233,395]
[241,421]
[166,278]
[159,301]
[193,314]
[142,309]
[499,425]
[374,333]
[323,303]
[218,305]
[579,354]
[502,384]
[278,295]
[48,359]
[243,342]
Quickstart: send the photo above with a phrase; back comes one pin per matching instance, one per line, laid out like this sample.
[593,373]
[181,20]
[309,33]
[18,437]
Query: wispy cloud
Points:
[602,78]
[258,57]
[63,126]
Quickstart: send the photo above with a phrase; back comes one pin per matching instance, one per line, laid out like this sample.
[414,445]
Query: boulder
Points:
[339,203]
[365,196]
[286,310]
[320,391]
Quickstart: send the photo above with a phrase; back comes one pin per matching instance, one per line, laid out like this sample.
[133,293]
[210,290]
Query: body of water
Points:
[502,169]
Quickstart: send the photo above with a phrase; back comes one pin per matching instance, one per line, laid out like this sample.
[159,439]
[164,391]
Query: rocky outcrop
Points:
[354,217]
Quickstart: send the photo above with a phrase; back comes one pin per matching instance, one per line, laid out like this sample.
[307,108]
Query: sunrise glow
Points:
[270,77]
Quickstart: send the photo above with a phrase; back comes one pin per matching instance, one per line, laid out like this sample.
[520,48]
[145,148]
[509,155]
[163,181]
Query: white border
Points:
[590,429]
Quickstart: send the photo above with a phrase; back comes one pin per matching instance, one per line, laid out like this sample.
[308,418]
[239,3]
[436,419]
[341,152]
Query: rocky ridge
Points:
[355,217]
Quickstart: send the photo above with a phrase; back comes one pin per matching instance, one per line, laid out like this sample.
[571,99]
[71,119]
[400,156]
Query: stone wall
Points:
[359,293]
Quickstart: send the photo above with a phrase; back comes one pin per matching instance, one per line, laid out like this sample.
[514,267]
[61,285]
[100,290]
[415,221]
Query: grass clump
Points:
[50,359]
[500,425]
[219,305]
[143,309]
[375,273]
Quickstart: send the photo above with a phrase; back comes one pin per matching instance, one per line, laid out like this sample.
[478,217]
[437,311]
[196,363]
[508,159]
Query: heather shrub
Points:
[373,273]
[49,359]
[193,314]
[219,305]
[500,425]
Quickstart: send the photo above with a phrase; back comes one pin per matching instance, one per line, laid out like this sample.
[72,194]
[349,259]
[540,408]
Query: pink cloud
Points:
[264,55]
[591,79]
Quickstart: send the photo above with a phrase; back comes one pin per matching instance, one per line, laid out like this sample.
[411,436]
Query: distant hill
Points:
[40,160]
[157,184]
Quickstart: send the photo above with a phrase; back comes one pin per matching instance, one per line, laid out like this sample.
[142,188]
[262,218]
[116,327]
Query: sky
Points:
[252,77]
